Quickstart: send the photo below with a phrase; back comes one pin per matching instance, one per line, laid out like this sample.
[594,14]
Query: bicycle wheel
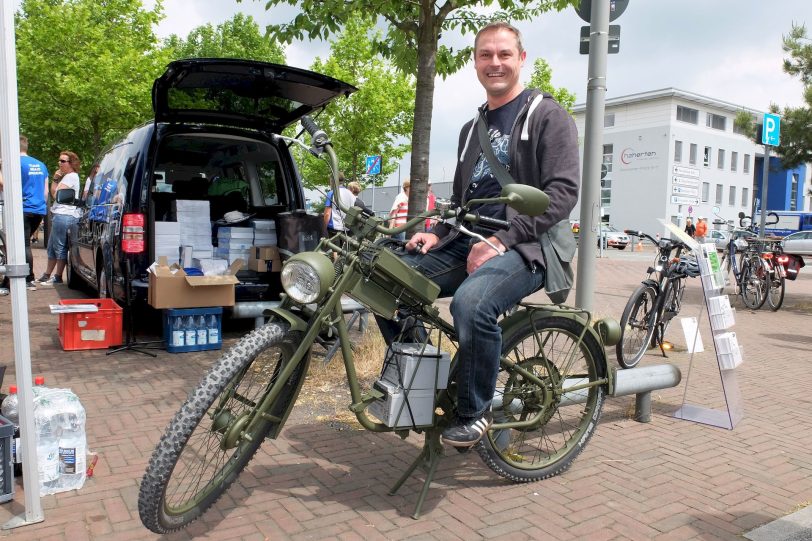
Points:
[3,259]
[551,352]
[205,446]
[753,284]
[637,326]
[775,294]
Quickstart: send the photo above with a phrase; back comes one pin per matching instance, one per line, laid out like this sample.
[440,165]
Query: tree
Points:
[412,42]
[542,78]
[85,70]
[796,122]
[371,120]
[238,37]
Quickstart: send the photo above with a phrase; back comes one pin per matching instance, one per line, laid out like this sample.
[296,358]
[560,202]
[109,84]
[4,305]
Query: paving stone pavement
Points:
[666,480]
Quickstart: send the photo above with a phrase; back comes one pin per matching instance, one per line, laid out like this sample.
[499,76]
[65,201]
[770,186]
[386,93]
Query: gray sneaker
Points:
[4,291]
[50,282]
[31,286]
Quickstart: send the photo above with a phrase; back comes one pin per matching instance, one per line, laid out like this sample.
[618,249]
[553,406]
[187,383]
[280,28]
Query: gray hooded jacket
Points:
[543,153]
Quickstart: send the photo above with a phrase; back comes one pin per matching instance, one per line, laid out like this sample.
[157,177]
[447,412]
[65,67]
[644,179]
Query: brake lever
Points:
[479,237]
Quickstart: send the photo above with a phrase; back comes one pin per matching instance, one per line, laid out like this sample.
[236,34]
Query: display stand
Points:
[130,344]
[728,354]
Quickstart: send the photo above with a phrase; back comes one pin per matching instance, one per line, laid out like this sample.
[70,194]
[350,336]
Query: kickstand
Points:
[428,459]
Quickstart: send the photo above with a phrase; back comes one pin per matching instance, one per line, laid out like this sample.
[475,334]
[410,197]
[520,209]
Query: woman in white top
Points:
[62,217]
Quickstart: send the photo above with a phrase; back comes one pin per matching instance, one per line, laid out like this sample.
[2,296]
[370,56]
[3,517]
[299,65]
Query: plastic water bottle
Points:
[213,329]
[191,332]
[72,445]
[178,334]
[48,432]
[39,385]
[202,330]
[10,404]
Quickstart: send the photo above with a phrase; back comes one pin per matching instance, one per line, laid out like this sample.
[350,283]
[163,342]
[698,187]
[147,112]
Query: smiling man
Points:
[535,140]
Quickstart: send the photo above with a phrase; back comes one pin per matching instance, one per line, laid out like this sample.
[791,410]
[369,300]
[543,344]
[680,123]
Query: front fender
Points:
[513,322]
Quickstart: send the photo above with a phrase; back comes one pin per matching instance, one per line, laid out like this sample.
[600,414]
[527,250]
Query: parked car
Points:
[614,238]
[719,237]
[212,139]
[799,243]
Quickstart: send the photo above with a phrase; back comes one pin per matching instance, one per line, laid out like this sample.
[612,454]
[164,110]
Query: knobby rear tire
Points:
[775,294]
[189,470]
[532,454]
[637,326]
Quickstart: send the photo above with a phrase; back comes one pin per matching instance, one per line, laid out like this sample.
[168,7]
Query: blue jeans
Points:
[478,301]
[58,240]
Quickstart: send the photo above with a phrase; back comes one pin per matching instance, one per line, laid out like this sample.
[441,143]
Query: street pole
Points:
[593,152]
[765,171]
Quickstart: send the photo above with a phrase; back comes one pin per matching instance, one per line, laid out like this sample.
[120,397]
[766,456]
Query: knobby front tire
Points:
[637,326]
[552,353]
[207,444]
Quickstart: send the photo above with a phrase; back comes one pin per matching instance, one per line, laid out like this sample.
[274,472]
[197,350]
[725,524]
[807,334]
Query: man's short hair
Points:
[354,187]
[500,25]
[341,178]
[23,143]
[406,183]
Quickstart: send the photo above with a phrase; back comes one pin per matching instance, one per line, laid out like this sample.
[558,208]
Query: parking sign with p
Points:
[770,134]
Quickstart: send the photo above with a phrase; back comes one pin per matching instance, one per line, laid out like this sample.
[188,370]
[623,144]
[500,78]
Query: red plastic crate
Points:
[91,330]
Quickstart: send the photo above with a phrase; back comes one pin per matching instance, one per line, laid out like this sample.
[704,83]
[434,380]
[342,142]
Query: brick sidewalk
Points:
[666,480]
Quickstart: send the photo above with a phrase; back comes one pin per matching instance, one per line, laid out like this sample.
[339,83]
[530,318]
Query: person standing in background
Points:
[333,215]
[431,204]
[398,214]
[690,229]
[34,177]
[701,230]
[63,216]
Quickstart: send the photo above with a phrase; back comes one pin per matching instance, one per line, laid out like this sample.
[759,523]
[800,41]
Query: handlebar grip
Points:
[309,125]
[633,233]
[493,222]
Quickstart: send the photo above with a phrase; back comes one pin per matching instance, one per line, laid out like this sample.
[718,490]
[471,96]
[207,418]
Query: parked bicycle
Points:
[550,389]
[656,301]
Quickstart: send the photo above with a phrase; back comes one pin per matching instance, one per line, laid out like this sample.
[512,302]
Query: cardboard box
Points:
[265,259]
[170,287]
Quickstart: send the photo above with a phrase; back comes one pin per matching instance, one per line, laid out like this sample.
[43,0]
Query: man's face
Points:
[498,62]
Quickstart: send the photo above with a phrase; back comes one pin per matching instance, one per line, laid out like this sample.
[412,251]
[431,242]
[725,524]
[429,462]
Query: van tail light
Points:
[132,233]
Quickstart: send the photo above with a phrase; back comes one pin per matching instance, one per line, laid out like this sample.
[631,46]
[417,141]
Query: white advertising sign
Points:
[685,190]
[684,200]
[686,171]
[685,181]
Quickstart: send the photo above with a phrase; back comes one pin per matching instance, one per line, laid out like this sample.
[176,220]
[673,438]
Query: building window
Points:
[793,192]
[717,122]
[745,202]
[720,162]
[706,158]
[686,114]
[734,158]
[746,166]
[692,154]
[608,120]
[719,190]
[731,198]
[705,191]
[678,151]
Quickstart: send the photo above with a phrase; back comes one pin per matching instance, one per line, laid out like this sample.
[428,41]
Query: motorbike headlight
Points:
[306,277]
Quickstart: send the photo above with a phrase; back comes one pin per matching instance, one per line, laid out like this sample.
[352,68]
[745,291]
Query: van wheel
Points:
[73,279]
[103,283]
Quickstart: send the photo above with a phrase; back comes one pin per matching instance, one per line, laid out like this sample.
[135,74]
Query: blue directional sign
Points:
[374,165]
[771,133]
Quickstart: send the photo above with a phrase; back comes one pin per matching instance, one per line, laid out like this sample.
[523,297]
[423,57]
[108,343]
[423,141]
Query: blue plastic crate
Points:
[213,340]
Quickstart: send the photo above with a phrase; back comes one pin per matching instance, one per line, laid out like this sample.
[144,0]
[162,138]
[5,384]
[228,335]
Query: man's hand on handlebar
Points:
[422,241]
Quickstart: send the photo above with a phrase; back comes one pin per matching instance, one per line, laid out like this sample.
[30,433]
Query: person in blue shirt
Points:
[34,176]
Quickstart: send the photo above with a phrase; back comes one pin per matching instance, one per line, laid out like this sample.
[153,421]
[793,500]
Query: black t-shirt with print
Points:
[482,183]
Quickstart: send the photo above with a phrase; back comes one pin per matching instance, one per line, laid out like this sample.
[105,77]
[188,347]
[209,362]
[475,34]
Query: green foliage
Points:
[371,120]
[796,135]
[239,37]
[411,40]
[542,78]
[745,123]
[85,70]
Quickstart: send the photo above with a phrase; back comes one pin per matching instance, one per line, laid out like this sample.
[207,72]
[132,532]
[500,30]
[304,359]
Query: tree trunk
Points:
[423,106]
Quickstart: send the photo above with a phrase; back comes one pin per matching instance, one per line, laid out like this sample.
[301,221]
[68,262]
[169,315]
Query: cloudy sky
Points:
[725,49]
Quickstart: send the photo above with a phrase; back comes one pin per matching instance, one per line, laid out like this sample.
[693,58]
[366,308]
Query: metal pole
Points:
[17,269]
[764,185]
[593,152]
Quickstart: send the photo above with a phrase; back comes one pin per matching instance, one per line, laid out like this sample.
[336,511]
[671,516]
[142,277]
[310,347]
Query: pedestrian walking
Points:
[701,230]
[690,228]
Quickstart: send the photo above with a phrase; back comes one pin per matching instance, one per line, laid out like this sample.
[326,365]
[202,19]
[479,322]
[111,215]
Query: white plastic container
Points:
[728,351]
[721,314]
[61,441]
[417,366]
[402,408]
[9,408]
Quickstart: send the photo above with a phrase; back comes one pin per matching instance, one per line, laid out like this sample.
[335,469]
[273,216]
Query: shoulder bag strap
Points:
[497,169]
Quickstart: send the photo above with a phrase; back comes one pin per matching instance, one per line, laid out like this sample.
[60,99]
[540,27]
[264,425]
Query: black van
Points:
[215,121]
